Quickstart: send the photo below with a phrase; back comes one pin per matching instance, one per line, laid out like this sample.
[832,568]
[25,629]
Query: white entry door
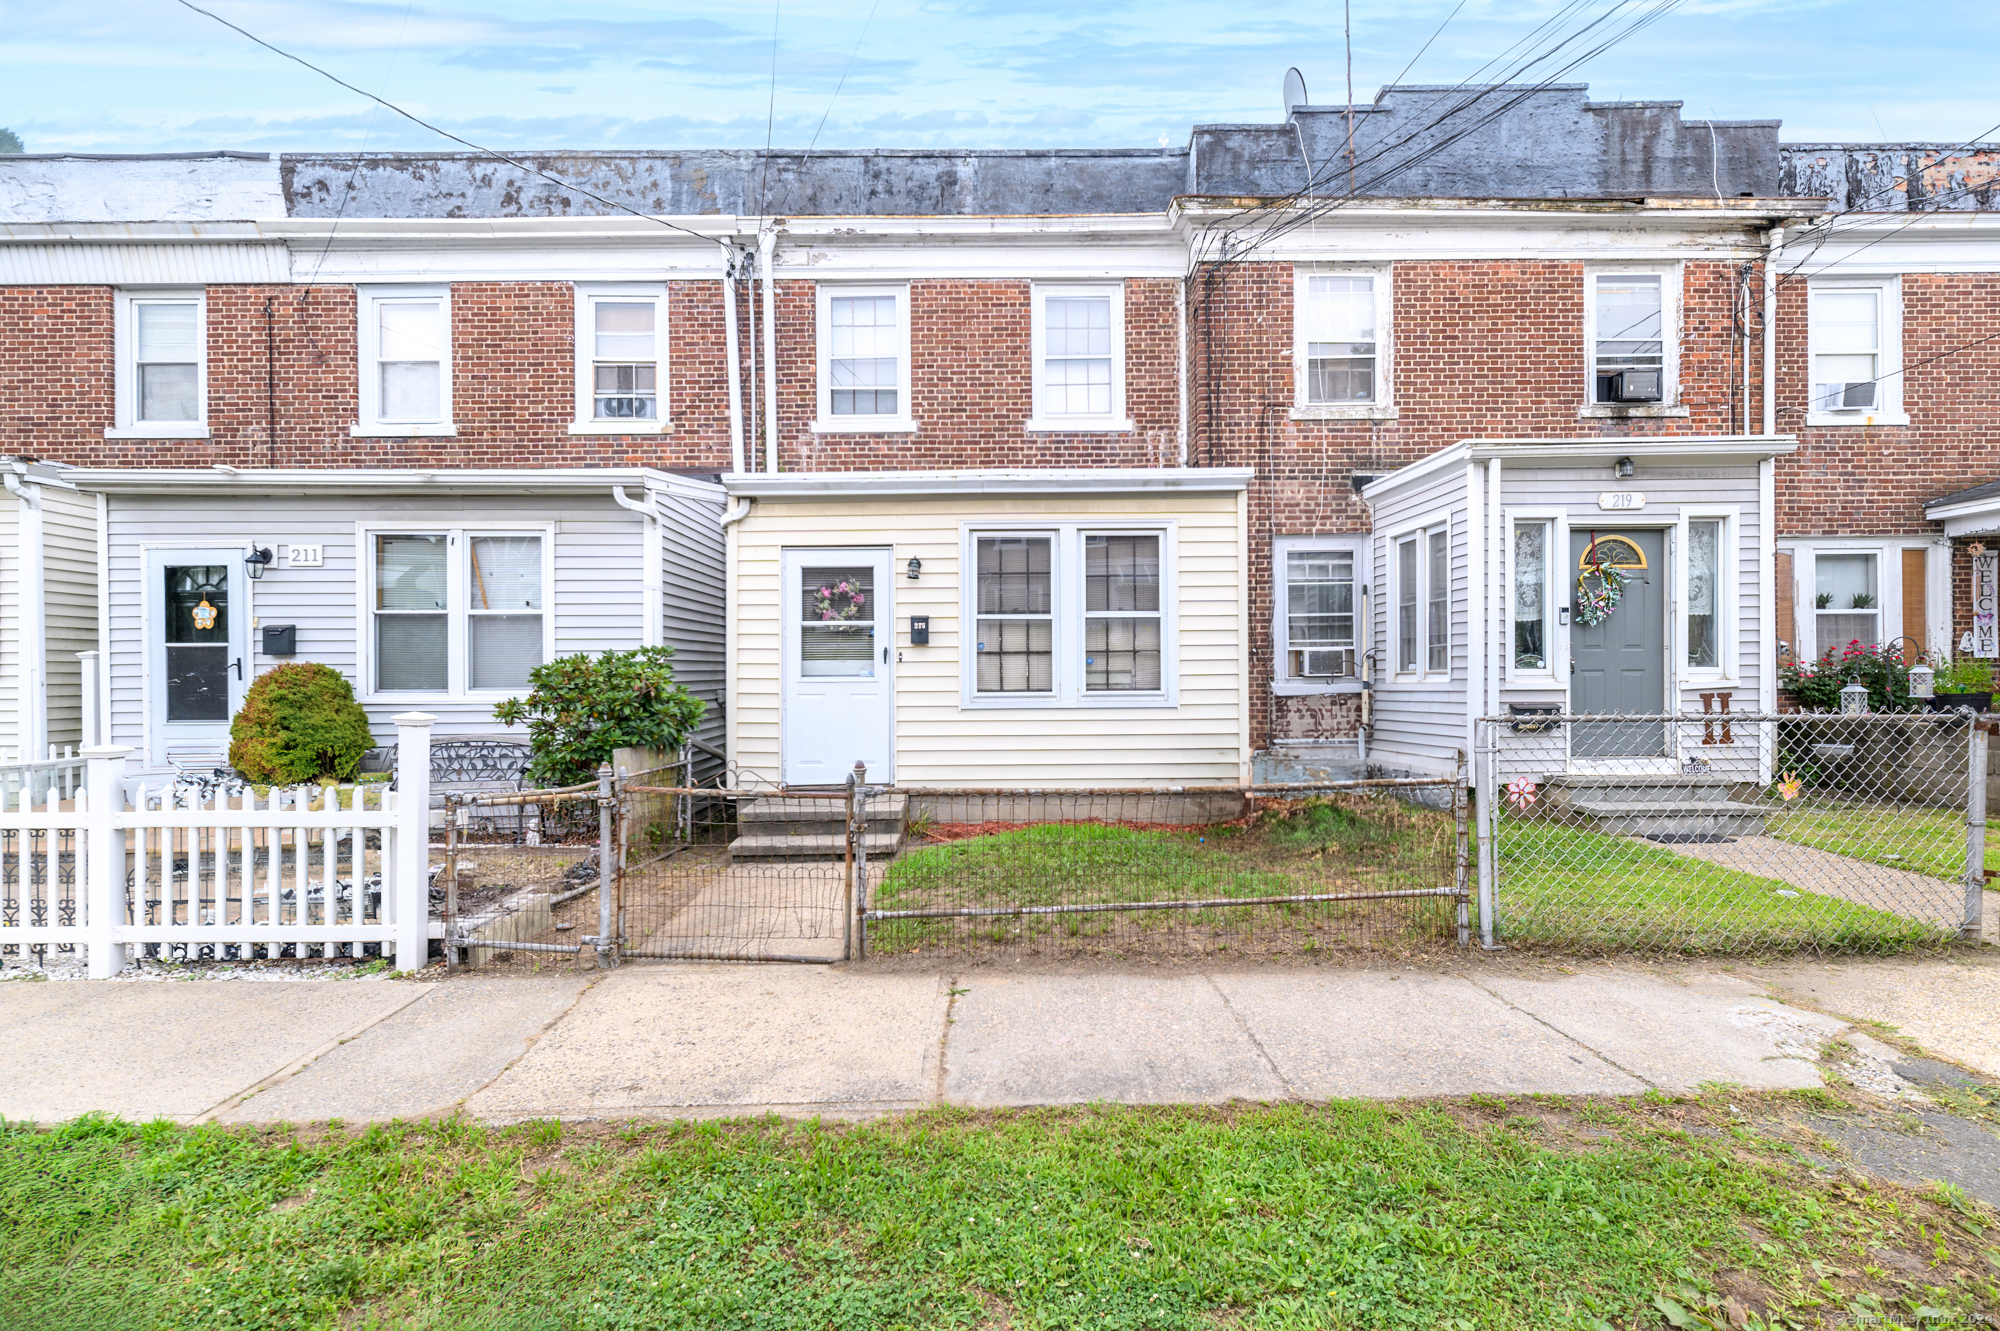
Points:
[197,652]
[839,635]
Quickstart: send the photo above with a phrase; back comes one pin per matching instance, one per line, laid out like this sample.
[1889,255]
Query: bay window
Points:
[456,611]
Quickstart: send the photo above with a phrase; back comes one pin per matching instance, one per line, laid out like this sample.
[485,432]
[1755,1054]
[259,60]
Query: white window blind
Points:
[1437,580]
[1076,362]
[1844,600]
[1847,348]
[410,360]
[1340,340]
[837,615]
[167,360]
[861,366]
[624,360]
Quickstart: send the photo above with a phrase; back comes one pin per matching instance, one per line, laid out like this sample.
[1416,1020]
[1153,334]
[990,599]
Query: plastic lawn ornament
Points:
[1594,604]
[1789,787]
[839,601]
[1521,793]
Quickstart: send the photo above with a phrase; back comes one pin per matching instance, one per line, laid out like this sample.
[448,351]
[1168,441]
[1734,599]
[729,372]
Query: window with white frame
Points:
[1706,569]
[1631,333]
[162,369]
[621,343]
[1069,616]
[1530,610]
[1407,587]
[1079,358]
[1423,601]
[1316,610]
[457,611]
[1339,358]
[1845,604]
[1437,583]
[864,358]
[405,347]
[1854,331]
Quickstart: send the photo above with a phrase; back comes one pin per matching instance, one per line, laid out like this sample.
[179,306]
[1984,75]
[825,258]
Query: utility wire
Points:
[770,112]
[785,202]
[1404,72]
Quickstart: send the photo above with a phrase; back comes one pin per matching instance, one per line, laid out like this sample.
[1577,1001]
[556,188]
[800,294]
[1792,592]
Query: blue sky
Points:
[150,76]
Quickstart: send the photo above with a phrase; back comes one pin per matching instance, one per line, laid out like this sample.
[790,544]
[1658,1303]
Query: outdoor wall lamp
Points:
[916,566]
[1623,467]
[256,561]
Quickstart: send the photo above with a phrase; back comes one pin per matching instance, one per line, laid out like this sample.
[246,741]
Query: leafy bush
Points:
[581,708]
[299,722]
[1818,683]
[1963,674]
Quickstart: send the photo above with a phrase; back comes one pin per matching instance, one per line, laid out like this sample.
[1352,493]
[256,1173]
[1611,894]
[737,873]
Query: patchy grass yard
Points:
[1344,845]
[1483,1213]
[1591,890]
[1926,841]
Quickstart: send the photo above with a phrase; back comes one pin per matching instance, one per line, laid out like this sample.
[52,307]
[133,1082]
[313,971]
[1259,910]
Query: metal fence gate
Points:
[1721,833]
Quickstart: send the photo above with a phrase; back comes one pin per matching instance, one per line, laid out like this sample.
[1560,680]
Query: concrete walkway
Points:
[699,1040]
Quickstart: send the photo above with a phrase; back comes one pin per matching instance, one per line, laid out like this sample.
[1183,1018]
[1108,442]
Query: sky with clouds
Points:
[154,76]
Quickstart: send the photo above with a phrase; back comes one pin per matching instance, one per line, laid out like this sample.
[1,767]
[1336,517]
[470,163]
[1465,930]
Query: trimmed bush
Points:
[581,708]
[299,723]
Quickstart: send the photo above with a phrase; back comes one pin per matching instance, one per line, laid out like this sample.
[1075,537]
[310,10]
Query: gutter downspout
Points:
[1774,250]
[1181,367]
[653,560]
[31,703]
[1476,586]
[1497,554]
[739,509]
[767,244]
[735,355]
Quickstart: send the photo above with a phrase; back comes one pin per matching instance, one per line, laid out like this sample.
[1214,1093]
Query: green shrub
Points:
[299,722]
[1817,684]
[581,708]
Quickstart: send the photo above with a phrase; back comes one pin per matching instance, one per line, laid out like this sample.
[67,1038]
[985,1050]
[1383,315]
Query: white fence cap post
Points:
[409,901]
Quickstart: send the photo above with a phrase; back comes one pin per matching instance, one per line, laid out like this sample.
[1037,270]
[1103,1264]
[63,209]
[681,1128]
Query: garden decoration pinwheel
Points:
[1521,794]
[1595,604]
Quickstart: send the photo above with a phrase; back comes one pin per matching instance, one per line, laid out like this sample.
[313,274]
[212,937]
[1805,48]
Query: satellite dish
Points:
[1295,90]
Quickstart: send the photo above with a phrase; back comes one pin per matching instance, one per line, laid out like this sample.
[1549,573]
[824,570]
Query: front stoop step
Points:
[775,828]
[1664,808]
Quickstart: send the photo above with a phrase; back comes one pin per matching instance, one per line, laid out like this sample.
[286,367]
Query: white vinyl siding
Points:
[944,737]
[69,578]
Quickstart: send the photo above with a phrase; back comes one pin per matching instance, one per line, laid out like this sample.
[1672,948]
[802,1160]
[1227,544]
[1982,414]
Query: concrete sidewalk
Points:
[712,1040]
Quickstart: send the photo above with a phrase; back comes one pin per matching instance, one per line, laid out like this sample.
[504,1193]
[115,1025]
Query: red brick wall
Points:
[55,367]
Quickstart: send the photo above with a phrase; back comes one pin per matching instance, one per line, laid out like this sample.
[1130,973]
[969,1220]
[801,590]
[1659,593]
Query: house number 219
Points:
[1620,501]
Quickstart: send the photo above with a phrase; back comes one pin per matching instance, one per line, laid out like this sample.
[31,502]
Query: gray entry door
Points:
[1619,667]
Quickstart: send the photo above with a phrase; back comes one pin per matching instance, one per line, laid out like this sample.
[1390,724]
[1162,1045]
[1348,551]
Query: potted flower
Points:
[1963,681]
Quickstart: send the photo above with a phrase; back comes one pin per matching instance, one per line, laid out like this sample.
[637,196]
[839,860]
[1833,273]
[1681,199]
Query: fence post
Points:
[101,858]
[1459,800]
[607,945]
[1485,811]
[847,895]
[1975,830]
[88,663]
[859,878]
[411,899]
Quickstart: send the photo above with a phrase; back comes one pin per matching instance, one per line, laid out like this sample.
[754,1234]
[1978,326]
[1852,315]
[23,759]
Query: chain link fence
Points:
[1722,834]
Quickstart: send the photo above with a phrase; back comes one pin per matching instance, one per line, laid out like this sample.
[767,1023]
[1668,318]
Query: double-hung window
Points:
[1069,616]
[456,611]
[1316,619]
[1422,563]
[1340,348]
[1078,337]
[1631,331]
[405,348]
[621,354]
[1845,599]
[864,359]
[1855,335]
[162,365]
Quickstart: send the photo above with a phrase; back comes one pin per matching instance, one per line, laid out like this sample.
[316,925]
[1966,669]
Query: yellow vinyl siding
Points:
[1199,741]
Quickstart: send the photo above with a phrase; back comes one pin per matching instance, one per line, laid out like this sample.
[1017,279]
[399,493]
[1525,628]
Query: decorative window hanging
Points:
[1595,604]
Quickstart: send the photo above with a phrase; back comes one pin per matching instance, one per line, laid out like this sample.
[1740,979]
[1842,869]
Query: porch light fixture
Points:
[916,566]
[1854,699]
[257,561]
[1923,681]
[1623,467]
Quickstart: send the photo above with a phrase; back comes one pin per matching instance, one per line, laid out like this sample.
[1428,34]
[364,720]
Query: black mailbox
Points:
[281,639]
[920,630]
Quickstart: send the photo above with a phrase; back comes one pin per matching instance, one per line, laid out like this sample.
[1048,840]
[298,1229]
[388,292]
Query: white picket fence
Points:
[321,870]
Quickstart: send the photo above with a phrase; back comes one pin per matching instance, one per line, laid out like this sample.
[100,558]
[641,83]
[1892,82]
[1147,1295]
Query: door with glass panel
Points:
[838,634]
[197,653]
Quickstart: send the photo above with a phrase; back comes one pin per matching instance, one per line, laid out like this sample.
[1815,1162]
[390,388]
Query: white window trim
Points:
[1889,408]
[125,374]
[1555,599]
[904,420]
[367,348]
[1727,670]
[1041,422]
[1383,408]
[1421,529]
[1066,581]
[1282,546]
[1888,585]
[1672,295]
[456,593]
[586,421]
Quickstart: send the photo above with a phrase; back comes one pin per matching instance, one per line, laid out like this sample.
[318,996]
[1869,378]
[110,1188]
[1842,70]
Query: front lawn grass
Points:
[1535,1212]
[1591,890]
[1901,836]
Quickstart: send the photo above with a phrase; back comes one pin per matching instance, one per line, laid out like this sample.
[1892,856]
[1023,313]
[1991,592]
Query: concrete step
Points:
[1642,789]
[810,846]
[1672,818]
[775,816]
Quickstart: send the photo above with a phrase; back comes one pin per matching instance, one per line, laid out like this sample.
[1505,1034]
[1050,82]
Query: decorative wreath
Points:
[839,601]
[1595,604]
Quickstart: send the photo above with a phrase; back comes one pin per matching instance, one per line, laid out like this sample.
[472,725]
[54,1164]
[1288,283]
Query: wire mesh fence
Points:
[1732,834]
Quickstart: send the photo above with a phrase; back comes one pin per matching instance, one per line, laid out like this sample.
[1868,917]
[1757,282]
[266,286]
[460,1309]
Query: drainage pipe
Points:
[767,244]
[31,703]
[1774,250]
[652,561]
[735,355]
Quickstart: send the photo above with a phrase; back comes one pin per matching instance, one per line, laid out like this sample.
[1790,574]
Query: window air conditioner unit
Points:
[1324,661]
[1847,397]
[1635,386]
